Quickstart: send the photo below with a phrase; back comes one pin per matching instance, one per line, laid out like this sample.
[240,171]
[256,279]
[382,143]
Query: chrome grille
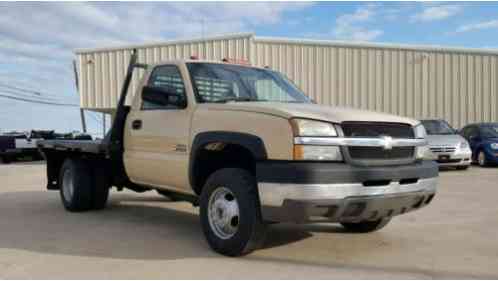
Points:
[379,155]
[377,129]
[442,149]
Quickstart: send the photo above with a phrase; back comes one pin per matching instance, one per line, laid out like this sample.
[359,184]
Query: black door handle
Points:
[136,124]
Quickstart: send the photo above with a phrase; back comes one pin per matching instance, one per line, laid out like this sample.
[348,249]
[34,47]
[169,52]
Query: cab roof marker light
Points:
[236,61]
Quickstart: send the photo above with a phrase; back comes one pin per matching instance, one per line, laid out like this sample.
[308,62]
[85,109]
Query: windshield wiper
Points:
[293,101]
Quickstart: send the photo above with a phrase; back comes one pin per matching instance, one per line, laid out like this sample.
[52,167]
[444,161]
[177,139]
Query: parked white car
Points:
[446,146]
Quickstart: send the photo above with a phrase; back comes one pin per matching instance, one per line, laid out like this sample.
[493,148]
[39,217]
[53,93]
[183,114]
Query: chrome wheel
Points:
[223,213]
[482,159]
[67,185]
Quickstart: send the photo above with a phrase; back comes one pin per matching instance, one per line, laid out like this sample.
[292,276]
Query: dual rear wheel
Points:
[83,185]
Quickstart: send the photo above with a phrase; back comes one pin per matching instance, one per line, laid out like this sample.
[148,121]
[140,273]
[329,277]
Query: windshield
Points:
[215,82]
[489,131]
[437,127]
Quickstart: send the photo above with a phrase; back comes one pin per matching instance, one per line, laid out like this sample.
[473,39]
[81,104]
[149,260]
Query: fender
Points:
[250,142]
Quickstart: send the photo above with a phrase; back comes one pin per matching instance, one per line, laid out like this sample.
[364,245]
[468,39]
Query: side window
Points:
[167,76]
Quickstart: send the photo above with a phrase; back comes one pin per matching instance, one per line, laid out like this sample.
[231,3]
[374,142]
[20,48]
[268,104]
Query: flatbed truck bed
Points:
[85,146]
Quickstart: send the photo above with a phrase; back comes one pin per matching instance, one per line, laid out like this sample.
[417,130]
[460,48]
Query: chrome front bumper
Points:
[342,202]
[457,158]
[274,194]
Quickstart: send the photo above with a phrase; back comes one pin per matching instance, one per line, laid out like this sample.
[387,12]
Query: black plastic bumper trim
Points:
[347,210]
[327,172]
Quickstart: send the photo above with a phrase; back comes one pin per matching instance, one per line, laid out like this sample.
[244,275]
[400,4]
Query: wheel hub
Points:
[223,213]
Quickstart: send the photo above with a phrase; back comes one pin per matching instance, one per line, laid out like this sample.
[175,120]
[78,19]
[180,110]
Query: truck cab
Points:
[250,148]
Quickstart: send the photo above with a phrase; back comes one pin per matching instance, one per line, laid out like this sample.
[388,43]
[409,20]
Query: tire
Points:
[481,159]
[76,185]
[7,159]
[462,167]
[100,188]
[366,226]
[233,192]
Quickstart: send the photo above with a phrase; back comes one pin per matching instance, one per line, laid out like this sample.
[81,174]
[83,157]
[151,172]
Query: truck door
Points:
[157,135]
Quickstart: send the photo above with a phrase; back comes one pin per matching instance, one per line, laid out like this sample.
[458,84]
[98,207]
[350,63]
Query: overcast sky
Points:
[37,39]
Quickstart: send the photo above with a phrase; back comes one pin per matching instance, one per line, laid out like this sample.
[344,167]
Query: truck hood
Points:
[312,111]
[444,140]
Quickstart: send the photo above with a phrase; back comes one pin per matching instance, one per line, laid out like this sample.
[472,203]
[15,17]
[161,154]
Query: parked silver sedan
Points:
[446,146]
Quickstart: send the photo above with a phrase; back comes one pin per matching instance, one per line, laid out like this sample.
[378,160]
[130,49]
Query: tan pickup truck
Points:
[247,146]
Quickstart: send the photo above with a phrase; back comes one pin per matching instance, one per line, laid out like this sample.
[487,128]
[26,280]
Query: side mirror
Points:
[163,96]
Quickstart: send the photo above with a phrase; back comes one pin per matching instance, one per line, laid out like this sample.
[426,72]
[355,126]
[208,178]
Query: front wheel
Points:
[366,226]
[230,212]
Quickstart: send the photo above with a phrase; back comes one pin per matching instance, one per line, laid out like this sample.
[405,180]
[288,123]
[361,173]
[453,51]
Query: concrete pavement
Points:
[145,236]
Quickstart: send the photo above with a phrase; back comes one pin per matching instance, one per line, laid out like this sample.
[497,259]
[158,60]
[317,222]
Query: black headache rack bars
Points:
[108,152]
[113,141]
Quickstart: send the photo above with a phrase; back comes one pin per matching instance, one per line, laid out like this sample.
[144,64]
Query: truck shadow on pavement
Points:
[132,227]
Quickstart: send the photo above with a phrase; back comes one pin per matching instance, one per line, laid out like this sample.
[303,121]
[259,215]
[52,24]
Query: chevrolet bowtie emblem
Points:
[387,142]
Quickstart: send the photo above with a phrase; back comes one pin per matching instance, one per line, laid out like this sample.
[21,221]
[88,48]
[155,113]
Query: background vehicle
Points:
[15,145]
[483,139]
[249,148]
[446,146]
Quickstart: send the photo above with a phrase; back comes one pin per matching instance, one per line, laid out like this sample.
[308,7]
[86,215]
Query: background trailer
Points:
[456,84]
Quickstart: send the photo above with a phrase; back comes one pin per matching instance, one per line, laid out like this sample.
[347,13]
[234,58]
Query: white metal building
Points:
[456,84]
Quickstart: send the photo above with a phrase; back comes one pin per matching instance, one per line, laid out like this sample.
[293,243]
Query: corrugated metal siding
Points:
[457,86]
[102,71]
[454,84]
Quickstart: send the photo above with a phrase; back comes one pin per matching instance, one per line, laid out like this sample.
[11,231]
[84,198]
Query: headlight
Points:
[420,132]
[315,152]
[464,144]
[311,128]
[494,146]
